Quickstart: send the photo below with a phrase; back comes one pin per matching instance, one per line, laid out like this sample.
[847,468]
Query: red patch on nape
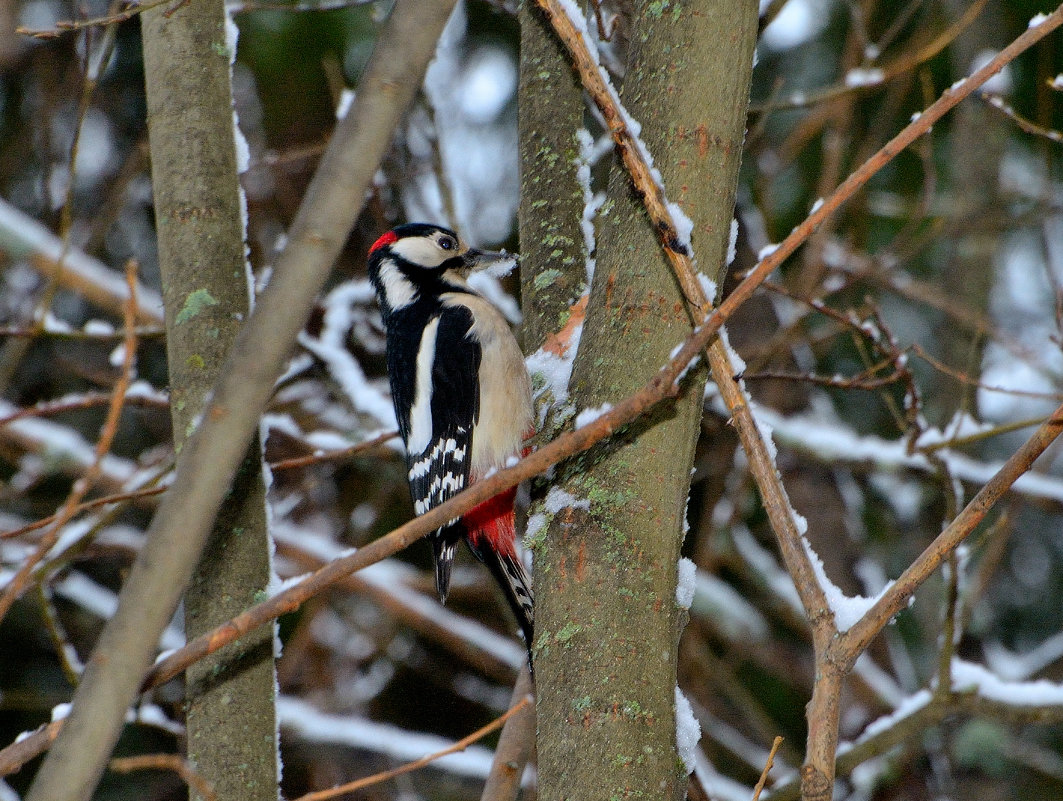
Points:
[492,524]
[386,239]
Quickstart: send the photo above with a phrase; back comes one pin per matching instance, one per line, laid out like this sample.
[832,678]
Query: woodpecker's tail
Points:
[444,541]
[515,582]
[490,531]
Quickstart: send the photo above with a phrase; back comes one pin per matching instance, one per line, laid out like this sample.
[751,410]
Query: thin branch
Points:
[881,75]
[29,747]
[1001,105]
[66,26]
[92,279]
[82,400]
[845,649]
[81,487]
[122,497]
[462,637]
[861,382]
[460,745]
[170,762]
[333,456]
[64,649]
[939,707]
[33,332]
[919,126]
[759,787]
[966,380]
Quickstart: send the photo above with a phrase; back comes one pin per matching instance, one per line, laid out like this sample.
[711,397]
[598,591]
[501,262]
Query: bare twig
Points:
[759,787]
[83,400]
[965,379]
[32,332]
[93,280]
[434,622]
[29,747]
[66,26]
[1001,105]
[81,487]
[333,456]
[939,707]
[460,745]
[862,382]
[64,649]
[880,75]
[170,762]
[122,497]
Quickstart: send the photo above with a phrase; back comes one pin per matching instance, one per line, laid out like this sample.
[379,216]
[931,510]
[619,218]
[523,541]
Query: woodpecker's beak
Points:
[482,259]
[497,262]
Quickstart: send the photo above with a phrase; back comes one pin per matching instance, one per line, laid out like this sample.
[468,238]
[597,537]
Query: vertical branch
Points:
[514,746]
[230,695]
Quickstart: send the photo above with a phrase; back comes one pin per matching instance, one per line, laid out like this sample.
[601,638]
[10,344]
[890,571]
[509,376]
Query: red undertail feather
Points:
[491,524]
[386,239]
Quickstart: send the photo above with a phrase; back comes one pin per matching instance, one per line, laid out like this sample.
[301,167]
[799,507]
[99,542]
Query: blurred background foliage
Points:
[932,302]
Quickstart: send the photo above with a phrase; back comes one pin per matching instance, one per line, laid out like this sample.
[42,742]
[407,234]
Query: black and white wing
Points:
[445,407]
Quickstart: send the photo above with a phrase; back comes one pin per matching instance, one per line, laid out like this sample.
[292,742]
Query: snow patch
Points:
[967,676]
[686,583]
[687,731]
[588,416]
[860,76]
[847,609]
[558,499]
[312,725]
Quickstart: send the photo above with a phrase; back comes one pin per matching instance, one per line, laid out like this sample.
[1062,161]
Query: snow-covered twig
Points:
[24,237]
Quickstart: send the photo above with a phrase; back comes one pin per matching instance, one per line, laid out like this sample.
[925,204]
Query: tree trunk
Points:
[550,104]
[607,619]
[230,716]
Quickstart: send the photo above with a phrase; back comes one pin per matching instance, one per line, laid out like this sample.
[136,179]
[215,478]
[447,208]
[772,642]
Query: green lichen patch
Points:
[195,303]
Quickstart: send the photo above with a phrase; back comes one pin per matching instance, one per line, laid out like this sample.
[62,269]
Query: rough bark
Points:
[607,619]
[230,716]
[550,103]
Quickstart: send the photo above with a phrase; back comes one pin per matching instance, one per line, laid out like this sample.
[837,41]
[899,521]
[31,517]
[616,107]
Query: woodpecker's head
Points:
[419,258]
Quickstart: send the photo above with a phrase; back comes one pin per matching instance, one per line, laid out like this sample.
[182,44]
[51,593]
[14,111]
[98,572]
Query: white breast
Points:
[505,388]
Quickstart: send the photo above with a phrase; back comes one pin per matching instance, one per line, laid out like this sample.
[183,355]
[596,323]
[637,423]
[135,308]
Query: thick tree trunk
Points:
[607,618]
[230,716]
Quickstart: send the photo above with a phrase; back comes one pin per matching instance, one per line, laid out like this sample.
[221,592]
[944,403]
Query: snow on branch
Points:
[301,719]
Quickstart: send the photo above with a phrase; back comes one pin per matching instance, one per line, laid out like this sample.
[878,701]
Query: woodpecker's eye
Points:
[447,243]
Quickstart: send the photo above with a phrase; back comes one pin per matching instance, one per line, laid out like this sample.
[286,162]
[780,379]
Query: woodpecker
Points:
[461,392]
